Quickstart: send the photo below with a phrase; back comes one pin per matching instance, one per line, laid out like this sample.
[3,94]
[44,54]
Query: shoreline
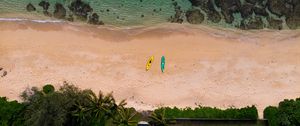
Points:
[213,67]
[167,27]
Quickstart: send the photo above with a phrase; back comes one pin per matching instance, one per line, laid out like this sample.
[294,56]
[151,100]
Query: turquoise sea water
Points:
[121,12]
[118,12]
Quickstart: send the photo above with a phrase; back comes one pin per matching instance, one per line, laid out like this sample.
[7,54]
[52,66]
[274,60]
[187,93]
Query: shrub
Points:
[286,114]
[209,112]
[48,89]
[71,106]
[271,113]
[9,110]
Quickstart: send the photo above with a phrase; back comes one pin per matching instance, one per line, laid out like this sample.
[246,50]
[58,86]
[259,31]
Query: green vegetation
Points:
[286,114]
[208,112]
[71,106]
[270,113]
[48,89]
[158,117]
[9,111]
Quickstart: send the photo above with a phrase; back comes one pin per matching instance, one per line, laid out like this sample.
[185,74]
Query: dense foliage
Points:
[9,111]
[208,112]
[70,106]
[286,114]
[270,113]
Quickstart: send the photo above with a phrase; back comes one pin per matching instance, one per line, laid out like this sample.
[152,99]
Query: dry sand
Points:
[207,66]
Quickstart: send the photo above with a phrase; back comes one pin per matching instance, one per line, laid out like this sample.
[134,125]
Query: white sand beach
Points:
[206,66]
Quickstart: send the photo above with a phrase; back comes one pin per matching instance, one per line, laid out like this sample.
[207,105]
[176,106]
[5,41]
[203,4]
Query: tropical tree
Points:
[77,102]
[44,108]
[158,117]
[103,108]
[126,117]
[9,111]
[79,113]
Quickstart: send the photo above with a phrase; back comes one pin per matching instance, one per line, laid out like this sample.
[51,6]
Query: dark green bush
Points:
[71,106]
[209,112]
[271,114]
[48,89]
[9,110]
[286,114]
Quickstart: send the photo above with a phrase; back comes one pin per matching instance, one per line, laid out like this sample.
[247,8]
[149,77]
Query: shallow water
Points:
[121,12]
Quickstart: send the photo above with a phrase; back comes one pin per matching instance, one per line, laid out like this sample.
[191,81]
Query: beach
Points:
[206,66]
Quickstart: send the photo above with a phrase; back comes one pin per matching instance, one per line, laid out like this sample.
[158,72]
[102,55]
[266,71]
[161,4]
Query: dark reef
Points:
[274,23]
[45,6]
[252,23]
[194,16]
[177,18]
[30,7]
[60,11]
[94,19]
[242,14]
[80,9]
[252,12]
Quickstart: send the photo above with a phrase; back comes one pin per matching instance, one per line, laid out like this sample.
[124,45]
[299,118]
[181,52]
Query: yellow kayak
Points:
[148,65]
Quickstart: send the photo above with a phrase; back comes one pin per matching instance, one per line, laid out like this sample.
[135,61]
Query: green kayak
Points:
[162,63]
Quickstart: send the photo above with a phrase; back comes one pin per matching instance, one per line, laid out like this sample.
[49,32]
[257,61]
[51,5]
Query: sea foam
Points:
[38,21]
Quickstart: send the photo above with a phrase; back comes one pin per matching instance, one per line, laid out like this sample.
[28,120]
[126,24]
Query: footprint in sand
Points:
[4,72]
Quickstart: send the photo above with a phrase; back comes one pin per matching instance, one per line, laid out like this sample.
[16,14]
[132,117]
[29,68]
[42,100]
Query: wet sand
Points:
[206,66]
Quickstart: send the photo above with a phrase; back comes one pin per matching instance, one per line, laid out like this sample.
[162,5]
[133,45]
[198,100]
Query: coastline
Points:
[207,66]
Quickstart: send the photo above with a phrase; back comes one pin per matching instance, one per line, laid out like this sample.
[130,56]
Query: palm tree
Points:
[103,108]
[126,117]
[80,114]
[158,118]
[44,109]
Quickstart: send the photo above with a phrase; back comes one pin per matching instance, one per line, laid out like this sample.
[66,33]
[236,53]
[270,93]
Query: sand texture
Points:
[207,66]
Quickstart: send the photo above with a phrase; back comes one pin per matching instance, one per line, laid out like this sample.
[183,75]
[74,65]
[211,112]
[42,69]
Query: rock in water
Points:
[208,7]
[94,19]
[228,7]
[45,5]
[279,7]
[70,18]
[293,22]
[198,2]
[194,16]
[246,10]
[293,19]
[253,2]
[30,7]
[252,23]
[274,24]
[214,16]
[177,18]
[260,11]
[46,13]
[60,11]
[80,9]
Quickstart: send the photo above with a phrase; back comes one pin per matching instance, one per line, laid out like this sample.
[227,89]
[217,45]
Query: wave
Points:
[38,21]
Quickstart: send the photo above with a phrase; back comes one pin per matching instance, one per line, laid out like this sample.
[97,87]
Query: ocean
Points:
[127,13]
[111,12]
